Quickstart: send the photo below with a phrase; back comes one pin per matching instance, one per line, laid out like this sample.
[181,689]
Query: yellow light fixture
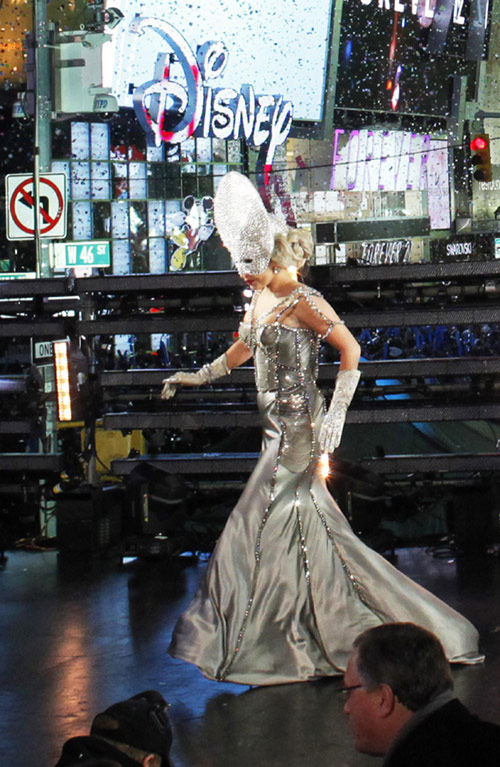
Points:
[63,386]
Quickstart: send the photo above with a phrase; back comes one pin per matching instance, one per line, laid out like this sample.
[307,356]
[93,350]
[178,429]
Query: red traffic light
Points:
[480,157]
[478,143]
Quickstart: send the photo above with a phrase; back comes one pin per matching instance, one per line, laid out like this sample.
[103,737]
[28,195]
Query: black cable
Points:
[272,172]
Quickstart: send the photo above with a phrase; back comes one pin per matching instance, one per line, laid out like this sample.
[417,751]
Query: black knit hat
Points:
[140,721]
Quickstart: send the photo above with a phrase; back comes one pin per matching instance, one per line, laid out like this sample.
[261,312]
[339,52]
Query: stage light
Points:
[324,465]
[71,378]
[63,389]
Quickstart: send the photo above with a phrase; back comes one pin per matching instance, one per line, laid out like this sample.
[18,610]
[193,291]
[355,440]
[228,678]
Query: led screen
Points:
[399,55]
[394,161]
[277,46]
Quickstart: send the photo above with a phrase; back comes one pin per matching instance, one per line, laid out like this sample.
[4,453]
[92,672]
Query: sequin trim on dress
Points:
[360,590]
[310,474]
[294,403]
[225,668]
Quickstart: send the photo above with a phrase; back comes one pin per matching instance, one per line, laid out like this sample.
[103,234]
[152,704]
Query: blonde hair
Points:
[293,249]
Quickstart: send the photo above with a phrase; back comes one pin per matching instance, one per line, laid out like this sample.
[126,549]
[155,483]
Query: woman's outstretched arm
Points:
[236,355]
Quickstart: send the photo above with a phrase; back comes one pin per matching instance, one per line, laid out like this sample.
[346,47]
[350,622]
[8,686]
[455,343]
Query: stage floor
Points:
[77,635]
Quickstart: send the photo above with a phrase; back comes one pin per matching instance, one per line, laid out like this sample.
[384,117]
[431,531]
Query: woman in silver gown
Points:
[289,585]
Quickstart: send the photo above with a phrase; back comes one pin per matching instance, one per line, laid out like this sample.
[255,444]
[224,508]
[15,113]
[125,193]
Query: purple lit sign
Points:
[371,161]
[393,161]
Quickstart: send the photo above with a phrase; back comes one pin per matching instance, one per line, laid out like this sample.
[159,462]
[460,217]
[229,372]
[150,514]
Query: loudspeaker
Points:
[472,509]
[158,501]
[90,518]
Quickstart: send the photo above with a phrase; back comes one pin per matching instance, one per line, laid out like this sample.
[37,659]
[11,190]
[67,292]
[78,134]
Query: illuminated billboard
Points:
[399,55]
[394,161]
[274,46]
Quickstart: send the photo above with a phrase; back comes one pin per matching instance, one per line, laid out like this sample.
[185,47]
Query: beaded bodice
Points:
[285,357]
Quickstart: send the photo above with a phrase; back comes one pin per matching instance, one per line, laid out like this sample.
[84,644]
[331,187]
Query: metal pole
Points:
[42,163]
[42,138]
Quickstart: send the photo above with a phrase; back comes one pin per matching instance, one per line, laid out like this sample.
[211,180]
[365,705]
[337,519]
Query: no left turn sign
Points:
[20,201]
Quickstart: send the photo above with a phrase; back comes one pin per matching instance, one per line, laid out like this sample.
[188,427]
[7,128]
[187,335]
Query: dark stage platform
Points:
[79,634]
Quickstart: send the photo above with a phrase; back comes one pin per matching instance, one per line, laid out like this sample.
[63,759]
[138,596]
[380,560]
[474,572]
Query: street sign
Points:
[17,276]
[20,202]
[90,253]
[43,352]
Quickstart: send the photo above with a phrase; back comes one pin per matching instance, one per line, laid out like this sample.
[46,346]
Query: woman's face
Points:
[258,281]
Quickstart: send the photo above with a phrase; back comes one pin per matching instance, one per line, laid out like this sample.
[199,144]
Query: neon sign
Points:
[394,161]
[370,161]
[173,111]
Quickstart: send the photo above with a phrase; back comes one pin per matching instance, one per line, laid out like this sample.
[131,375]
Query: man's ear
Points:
[149,760]
[387,700]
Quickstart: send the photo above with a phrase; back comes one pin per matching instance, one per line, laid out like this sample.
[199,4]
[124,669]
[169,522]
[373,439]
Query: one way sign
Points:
[20,201]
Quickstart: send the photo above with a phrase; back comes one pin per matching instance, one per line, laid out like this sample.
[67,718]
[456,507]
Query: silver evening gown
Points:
[289,585]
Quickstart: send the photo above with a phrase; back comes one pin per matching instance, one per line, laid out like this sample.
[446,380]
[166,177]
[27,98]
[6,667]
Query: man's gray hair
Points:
[408,658]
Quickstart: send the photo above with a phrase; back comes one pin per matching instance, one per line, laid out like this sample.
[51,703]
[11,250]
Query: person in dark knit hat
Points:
[132,732]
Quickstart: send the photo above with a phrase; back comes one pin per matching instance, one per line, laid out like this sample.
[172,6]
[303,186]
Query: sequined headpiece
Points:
[246,228]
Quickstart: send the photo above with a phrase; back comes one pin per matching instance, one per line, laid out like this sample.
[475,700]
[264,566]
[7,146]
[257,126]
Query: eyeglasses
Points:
[347,690]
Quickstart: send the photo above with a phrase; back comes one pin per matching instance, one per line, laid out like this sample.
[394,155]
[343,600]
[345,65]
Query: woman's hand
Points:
[331,430]
[206,374]
[333,422]
[180,379]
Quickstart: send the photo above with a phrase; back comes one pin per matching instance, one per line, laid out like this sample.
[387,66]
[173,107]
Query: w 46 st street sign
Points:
[88,253]
[21,203]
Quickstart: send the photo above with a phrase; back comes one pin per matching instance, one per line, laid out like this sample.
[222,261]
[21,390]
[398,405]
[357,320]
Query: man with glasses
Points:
[400,703]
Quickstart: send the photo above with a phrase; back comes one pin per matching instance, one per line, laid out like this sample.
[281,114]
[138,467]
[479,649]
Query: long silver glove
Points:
[206,374]
[333,422]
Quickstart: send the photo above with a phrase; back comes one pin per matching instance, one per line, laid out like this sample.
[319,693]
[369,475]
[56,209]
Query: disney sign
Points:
[171,111]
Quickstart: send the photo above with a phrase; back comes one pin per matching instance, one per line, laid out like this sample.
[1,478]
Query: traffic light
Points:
[480,157]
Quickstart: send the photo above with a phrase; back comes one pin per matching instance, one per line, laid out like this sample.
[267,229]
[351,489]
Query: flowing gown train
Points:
[289,585]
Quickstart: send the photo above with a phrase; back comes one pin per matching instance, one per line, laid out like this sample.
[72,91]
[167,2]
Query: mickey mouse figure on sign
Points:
[190,227]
